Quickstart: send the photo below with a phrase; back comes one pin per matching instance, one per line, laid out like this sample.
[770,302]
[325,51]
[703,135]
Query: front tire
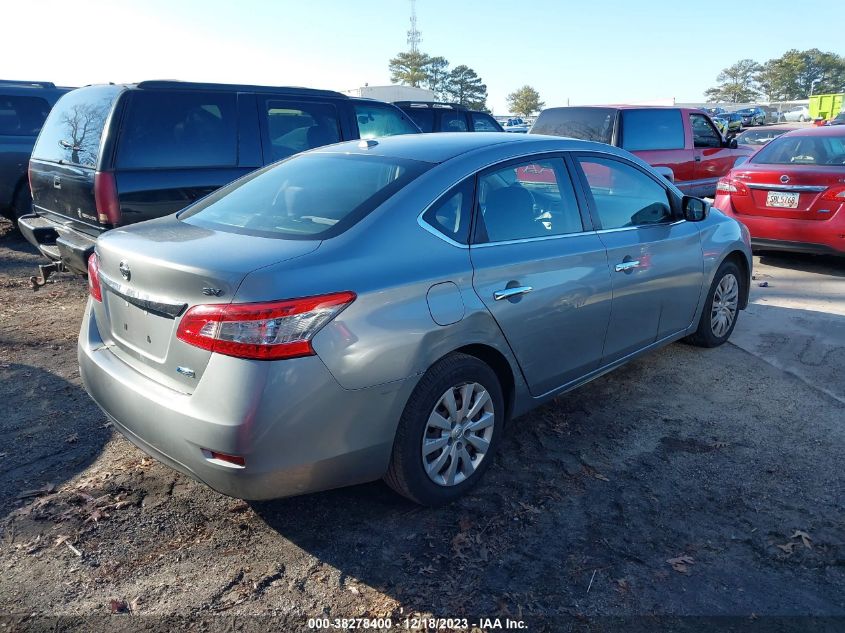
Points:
[448,432]
[721,310]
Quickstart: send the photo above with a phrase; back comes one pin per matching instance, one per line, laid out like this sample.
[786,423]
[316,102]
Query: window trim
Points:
[672,199]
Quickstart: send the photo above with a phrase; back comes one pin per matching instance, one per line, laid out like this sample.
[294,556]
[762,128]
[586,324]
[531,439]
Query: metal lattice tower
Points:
[414,36]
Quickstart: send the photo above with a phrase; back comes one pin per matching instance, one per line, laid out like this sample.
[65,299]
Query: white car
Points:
[801,114]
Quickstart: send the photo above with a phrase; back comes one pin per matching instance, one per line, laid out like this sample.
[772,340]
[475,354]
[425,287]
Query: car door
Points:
[712,159]
[541,270]
[654,258]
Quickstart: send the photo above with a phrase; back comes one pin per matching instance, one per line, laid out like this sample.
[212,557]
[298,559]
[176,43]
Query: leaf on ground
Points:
[46,489]
[681,563]
[465,523]
[787,547]
[806,539]
[72,439]
[600,476]
[718,445]
[118,606]
[622,585]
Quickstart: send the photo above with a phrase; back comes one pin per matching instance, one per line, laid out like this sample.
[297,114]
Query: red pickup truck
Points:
[682,143]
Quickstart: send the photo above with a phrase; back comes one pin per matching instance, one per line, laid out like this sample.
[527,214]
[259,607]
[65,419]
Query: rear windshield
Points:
[73,130]
[803,150]
[589,124]
[22,116]
[310,196]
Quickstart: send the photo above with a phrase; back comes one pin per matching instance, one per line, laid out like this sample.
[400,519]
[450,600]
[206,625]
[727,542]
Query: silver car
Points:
[381,308]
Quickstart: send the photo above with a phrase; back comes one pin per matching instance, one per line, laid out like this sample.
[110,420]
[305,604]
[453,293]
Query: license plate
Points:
[782,200]
[137,329]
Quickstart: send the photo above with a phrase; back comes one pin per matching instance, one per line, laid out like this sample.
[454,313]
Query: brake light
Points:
[94,288]
[834,194]
[262,331]
[729,185]
[105,198]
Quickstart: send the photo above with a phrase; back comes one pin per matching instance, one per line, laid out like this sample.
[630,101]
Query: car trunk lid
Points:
[787,191]
[152,273]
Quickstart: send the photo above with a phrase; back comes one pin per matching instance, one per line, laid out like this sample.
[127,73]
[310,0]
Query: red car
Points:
[791,193]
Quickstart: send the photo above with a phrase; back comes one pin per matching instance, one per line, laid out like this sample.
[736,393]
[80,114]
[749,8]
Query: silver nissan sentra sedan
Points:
[381,308]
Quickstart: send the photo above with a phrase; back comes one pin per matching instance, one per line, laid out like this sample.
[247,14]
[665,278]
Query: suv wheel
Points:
[721,310]
[448,432]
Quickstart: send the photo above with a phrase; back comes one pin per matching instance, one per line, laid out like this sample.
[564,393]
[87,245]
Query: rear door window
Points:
[179,129]
[423,117]
[296,126]
[376,120]
[451,214]
[484,123]
[22,116]
[74,127]
[652,129]
[451,121]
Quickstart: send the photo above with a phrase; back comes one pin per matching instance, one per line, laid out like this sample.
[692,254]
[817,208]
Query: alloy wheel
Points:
[458,433]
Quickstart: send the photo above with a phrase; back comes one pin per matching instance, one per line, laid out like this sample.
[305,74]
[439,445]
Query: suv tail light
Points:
[94,288]
[262,331]
[729,185]
[105,198]
[834,194]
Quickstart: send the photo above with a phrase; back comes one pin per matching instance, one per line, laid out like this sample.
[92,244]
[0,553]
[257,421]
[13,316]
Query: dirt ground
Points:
[688,483]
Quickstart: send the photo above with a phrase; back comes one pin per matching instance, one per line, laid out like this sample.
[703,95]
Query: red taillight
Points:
[105,198]
[94,278]
[729,185]
[834,194]
[262,331]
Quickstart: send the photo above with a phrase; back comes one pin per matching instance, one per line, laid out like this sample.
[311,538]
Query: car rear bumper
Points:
[806,236]
[58,242]
[296,428]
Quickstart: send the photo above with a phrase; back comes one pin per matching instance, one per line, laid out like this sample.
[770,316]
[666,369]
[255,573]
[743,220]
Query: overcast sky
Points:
[587,52]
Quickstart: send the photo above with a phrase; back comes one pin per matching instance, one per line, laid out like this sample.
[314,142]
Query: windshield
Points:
[803,150]
[311,196]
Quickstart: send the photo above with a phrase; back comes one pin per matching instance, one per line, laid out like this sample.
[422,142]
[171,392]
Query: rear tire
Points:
[721,310]
[22,204]
[470,441]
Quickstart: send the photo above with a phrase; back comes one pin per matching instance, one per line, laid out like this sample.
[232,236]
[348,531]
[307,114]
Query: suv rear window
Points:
[423,117]
[376,120]
[179,129]
[652,129]
[589,124]
[22,116]
[310,196]
[73,130]
[295,126]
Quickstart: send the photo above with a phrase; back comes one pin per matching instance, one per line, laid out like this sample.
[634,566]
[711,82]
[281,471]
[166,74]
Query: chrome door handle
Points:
[507,293]
[621,268]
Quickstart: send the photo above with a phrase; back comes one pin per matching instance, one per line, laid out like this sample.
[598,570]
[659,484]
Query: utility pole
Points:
[414,36]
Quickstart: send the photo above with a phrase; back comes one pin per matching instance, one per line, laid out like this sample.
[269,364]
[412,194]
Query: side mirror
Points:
[695,209]
[730,142]
[667,173]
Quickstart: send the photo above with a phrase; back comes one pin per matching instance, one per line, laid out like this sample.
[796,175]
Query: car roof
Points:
[825,130]
[444,105]
[167,84]
[443,146]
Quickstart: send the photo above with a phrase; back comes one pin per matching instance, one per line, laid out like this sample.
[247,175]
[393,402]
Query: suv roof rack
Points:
[28,84]
[430,104]
[190,85]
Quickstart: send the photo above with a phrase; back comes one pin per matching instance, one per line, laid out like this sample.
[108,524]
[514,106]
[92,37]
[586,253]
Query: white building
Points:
[392,93]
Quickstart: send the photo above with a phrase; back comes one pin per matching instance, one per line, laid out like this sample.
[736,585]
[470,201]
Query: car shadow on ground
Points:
[51,432]
[823,264]
[594,495]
